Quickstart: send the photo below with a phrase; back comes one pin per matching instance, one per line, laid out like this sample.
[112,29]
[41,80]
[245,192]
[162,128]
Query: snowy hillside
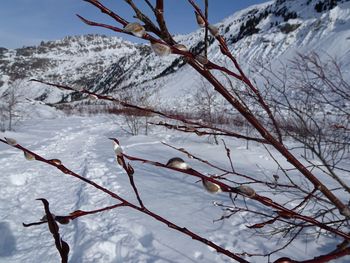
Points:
[73,60]
[273,32]
[270,32]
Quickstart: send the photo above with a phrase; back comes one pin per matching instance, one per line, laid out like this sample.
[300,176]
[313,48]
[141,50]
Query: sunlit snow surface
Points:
[124,235]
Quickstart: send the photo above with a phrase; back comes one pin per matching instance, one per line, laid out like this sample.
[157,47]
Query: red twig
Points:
[270,184]
[198,130]
[62,246]
[206,4]
[107,11]
[159,13]
[281,210]
[149,110]
[123,201]
[92,23]
[228,154]
[241,76]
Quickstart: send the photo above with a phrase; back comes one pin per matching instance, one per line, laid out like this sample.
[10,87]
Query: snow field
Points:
[123,235]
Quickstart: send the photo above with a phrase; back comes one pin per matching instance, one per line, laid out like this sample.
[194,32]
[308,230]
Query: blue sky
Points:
[27,22]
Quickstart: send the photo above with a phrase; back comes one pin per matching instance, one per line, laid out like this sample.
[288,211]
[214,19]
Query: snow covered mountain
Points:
[271,32]
[72,60]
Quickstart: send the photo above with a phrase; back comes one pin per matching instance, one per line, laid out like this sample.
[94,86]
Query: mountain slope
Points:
[72,60]
[271,32]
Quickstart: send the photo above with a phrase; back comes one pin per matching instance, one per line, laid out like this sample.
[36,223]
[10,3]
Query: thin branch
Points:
[92,23]
[170,224]
[281,210]
[220,132]
[149,110]
[228,154]
[241,76]
[150,5]
[206,29]
[191,155]
[107,11]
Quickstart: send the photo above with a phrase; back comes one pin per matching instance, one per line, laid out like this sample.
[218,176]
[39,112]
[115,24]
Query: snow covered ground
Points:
[123,235]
